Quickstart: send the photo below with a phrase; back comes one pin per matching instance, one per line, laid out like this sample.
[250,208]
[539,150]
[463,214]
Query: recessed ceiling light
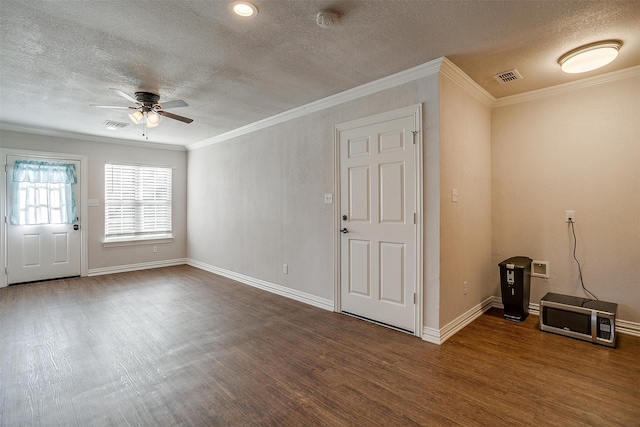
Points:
[243,9]
[590,57]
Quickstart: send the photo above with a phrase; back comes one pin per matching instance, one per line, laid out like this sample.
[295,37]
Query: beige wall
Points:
[577,150]
[465,164]
[97,154]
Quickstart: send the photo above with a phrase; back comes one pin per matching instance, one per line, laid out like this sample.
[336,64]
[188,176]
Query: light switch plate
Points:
[328,198]
[93,203]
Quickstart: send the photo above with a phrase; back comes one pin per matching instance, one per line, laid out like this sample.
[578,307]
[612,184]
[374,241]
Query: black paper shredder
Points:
[515,284]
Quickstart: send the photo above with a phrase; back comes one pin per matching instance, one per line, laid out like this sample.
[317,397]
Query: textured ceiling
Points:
[57,57]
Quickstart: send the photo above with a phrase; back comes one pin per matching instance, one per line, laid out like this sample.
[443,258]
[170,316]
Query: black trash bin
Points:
[515,284]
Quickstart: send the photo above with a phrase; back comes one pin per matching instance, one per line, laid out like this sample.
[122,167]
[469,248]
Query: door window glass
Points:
[43,193]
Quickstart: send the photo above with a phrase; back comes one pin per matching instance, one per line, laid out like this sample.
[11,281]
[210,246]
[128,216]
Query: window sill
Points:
[137,241]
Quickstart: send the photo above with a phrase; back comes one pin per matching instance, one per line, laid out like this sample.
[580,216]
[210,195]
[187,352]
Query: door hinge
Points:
[415,218]
[6,168]
[414,132]
[414,297]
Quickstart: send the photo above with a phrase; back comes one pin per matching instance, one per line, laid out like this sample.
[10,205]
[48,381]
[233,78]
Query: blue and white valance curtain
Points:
[43,193]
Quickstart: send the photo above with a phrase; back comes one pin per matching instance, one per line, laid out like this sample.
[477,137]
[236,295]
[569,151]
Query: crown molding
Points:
[458,76]
[84,137]
[428,68]
[568,87]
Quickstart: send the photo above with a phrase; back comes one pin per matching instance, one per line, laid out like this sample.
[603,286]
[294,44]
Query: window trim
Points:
[113,242]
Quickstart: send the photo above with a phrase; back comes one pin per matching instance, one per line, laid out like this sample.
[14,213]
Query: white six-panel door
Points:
[378,234]
[40,252]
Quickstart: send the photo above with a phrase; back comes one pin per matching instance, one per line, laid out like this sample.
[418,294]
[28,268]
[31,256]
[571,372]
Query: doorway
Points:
[43,210]
[379,186]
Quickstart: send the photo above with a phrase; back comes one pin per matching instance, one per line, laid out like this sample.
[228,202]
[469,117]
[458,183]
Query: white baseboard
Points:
[135,267]
[629,328]
[432,335]
[622,326]
[439,336]
[266,286]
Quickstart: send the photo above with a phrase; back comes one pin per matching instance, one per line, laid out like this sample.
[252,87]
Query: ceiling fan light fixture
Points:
[590,57]
[153,118]
[243,9]
[136,117]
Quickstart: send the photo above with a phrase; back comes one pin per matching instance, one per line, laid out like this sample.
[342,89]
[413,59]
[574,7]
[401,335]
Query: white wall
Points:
[263,193]
[97,154]
[577,150]
[256,201]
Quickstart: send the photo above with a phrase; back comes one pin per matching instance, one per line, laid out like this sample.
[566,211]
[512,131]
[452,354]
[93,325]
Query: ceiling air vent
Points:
[115,125]
[508,76]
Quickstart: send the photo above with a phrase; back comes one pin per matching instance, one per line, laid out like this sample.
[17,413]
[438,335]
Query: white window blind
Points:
[137,201]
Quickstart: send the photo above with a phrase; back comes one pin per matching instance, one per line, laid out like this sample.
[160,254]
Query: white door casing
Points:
[379,175]
[40,252]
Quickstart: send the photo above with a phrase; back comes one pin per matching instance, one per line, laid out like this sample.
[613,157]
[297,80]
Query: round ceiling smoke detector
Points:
[327,18]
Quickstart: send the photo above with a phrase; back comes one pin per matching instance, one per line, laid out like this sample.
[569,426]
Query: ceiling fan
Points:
[148,108]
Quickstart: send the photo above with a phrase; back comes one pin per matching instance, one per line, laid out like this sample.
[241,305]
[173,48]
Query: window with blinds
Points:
[137,201]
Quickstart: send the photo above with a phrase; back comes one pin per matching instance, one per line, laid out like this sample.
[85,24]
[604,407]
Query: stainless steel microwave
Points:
[581,318]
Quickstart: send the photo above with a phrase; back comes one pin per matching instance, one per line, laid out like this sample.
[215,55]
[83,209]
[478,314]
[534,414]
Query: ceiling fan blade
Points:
[112,106]
[174,116]
[174,104]
[124,95]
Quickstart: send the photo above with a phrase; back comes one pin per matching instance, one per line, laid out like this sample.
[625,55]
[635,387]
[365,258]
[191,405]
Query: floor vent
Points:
[508,76]
[115,125]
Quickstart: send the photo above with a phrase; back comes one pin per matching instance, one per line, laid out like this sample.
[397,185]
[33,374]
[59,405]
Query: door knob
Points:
[344,231]
[76,227]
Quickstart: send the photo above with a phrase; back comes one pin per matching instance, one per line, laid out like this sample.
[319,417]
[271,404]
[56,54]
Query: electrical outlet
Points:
[465,287]
[569,216]
[155,249]
[285,268]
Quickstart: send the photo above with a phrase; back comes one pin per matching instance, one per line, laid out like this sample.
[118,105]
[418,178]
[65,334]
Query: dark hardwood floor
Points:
[183,347]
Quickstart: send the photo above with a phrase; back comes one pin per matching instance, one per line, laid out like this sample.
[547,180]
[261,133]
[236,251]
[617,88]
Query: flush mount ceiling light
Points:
[590,57]
[243,9]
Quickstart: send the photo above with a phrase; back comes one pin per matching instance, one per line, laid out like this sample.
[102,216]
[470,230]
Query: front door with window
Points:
[43,240]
